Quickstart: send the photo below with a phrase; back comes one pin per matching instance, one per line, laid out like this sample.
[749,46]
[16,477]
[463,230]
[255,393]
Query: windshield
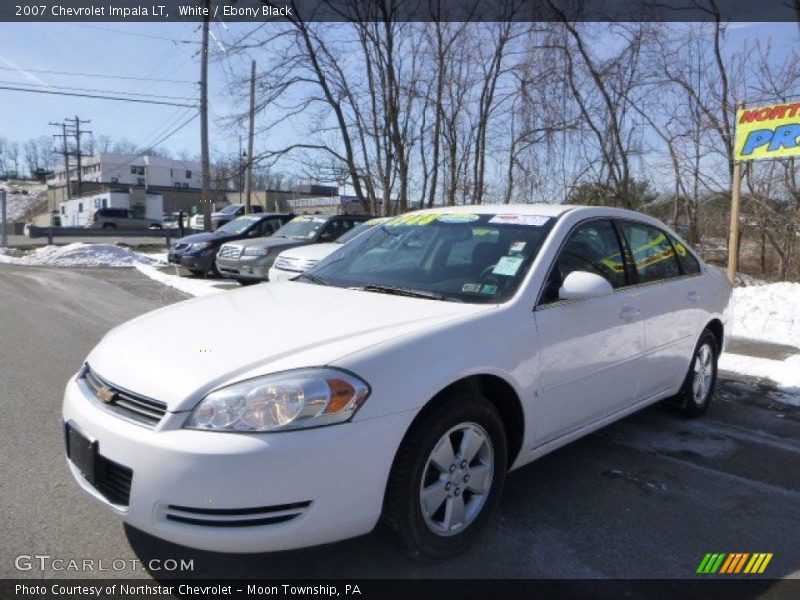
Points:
[237,226]
[459,257]
[302,228]
[358,230]
[230,209]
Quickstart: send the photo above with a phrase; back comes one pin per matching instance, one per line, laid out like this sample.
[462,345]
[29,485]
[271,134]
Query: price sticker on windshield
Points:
[529,220]
[508,266]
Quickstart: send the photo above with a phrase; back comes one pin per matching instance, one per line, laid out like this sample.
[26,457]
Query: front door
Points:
[589,349]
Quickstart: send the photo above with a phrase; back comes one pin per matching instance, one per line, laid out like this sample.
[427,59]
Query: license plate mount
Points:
[83,453]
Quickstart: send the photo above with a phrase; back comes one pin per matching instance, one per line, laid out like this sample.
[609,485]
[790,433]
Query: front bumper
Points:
[244,267]
[331,478]
[193,262]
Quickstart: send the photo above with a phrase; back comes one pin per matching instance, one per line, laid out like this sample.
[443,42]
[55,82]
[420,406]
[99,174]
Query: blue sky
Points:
[125,51]
[151,50]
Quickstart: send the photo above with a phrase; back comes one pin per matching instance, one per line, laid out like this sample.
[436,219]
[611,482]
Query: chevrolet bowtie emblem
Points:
[106,395]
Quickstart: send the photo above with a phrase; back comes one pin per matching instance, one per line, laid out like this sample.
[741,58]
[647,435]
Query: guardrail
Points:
[169,234]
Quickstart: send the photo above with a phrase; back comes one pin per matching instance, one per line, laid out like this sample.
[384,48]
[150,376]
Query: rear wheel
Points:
[447,476]
[695,395]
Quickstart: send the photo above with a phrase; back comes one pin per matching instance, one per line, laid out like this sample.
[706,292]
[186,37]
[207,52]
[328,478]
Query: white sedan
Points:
[290,263]
[399,379]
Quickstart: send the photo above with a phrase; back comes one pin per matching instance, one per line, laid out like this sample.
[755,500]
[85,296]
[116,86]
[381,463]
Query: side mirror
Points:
[326,237]
[582,284]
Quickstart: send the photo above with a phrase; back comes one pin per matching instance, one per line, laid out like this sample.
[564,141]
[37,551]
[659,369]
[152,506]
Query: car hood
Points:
[207,236]
[312,251]
[179,353]
[272,242]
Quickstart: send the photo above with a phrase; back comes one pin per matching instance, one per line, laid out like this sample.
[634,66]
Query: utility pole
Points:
[3,239]
[736,194]
[76,131]
[64,152]
[250,133]
[206,199]
[240,174]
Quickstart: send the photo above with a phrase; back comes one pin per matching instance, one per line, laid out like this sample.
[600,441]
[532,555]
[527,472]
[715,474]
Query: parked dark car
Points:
[249,261]
[196,252]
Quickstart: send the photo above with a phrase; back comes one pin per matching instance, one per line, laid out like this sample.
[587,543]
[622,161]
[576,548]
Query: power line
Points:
[173,132]
[96,96]
[47,72]
[80,89]
[144,35]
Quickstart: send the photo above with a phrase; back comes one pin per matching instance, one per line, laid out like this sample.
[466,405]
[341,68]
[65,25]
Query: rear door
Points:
[669,301]
[589,349]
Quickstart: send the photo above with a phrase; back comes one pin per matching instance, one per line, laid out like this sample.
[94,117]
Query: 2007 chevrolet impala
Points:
[398,379]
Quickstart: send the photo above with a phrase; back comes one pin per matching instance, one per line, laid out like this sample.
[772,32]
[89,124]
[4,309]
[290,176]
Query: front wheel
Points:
[447,476]
[694,396]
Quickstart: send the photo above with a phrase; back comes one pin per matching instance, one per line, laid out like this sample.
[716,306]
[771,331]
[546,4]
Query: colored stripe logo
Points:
[734,563]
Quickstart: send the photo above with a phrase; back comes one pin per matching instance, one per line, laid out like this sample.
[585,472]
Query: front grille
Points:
[128,405]
[296,265]
[229,252]
[236,517]
[114,481]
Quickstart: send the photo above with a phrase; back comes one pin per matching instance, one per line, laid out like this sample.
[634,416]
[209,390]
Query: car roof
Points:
[540,209]
[547,210]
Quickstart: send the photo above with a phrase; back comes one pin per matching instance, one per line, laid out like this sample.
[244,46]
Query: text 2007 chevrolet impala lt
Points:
[398,380]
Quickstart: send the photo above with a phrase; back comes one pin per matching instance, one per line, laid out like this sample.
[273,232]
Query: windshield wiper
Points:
[310,277]
[400,291]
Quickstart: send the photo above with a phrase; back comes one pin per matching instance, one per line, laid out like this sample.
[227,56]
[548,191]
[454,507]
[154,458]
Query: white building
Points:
[133,170]
[76,211]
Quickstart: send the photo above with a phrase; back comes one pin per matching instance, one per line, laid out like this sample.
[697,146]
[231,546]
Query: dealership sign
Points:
[766,132]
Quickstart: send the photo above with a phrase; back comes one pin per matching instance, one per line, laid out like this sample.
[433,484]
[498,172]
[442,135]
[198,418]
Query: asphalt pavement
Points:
[647,497]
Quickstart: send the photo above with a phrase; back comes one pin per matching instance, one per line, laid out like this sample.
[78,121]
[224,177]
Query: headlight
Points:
[291,400]
[199,246]
[256,250]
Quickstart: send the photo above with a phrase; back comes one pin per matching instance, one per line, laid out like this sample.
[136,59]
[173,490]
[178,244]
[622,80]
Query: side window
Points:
[688,262]
[332,230]
[652,252]
[592,247]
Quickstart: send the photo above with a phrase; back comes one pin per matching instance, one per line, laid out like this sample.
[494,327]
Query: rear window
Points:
[652,252]
[688,262]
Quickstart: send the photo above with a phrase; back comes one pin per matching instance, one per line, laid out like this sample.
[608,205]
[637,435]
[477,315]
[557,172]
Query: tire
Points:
[195,272]
[109,226]
[697,390]
[245,282]
[433,532]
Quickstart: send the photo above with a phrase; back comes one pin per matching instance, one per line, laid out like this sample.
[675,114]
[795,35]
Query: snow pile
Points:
[80,255]
[784,374]
[191,286]
[770,313]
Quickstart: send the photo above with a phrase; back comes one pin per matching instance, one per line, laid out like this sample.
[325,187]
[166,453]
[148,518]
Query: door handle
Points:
[693,296]
[629,312]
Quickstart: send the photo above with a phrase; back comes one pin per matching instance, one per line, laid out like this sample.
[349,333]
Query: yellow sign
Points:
[768,132]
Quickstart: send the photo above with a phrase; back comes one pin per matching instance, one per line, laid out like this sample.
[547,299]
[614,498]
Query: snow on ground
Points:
[18,203]
[193,287]
[784,374]
[80,255]
[770,313]
[766,312]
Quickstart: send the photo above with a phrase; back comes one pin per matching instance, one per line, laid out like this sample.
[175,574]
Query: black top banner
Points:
[259,11]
